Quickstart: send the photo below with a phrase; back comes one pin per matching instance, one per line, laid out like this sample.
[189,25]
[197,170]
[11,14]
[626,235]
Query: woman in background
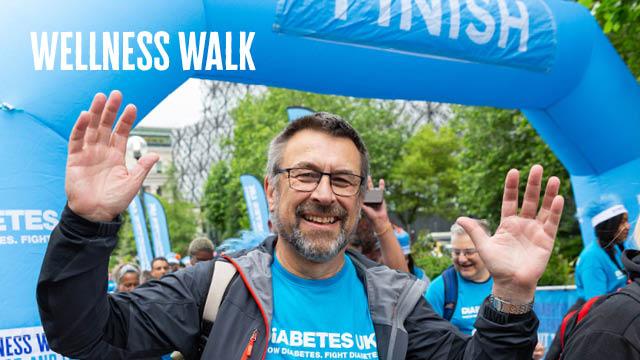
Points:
[127,277]
[599,269]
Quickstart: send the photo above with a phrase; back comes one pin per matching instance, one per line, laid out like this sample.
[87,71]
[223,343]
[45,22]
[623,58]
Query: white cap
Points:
[608,214]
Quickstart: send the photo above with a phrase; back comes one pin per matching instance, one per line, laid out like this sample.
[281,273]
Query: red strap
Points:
[584,310]
[563,328]
[586,307]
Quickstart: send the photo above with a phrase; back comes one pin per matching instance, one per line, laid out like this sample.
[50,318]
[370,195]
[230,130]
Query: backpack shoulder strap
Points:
[222,274]
[450,280]
[573,318]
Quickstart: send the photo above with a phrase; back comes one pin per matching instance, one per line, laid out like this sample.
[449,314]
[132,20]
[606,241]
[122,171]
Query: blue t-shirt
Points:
[596,274]
[320,319]
[470,297]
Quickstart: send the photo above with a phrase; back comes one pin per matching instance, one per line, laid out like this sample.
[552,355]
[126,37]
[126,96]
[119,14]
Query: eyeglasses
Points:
[465,252]
[307,180]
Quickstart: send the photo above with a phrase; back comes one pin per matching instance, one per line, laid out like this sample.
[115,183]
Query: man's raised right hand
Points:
[98,184]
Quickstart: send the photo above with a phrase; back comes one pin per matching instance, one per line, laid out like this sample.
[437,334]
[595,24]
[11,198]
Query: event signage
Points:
[26,344]
[158,225]
[140,234]
[256,203]
[512,33]
[550,305]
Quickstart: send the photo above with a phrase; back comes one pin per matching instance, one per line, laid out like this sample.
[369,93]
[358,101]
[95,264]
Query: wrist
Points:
[516,295]
[97,215]
[383,229]
[510,308]
[87,228]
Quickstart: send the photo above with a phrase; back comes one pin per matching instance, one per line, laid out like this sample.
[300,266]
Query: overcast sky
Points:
[182,107]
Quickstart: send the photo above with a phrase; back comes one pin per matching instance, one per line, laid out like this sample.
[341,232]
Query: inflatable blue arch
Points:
[548,58]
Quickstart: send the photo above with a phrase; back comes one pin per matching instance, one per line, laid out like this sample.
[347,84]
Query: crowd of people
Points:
[315,288]
[127,276]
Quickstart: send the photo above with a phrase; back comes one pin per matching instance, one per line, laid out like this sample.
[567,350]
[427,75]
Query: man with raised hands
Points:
[299,294]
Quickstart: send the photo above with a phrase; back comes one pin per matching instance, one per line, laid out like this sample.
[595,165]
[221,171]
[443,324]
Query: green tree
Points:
[222,205]
[182,219]
[426,176]
[620,20]
[125,250]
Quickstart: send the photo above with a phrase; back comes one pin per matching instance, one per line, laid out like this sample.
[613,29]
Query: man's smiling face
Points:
[316,223]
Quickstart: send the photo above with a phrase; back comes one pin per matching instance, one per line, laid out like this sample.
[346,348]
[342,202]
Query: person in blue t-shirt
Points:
[474,284]
[473,279]
[599,269]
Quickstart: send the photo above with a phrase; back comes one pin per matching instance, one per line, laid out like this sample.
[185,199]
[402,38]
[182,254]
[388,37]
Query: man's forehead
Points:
[461,241]
[313,148]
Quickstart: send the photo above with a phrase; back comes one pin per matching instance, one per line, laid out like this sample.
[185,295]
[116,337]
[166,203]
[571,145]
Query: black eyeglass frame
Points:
[322,174]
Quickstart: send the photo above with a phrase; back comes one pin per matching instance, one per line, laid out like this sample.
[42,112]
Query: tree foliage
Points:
[493,141]
[620,20]
[182,219]
[424,180]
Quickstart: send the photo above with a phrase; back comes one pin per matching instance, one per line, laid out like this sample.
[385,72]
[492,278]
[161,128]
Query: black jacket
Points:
[611,330]
[82,321]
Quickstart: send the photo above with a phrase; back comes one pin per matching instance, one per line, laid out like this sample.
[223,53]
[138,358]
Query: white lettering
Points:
[79,65]
[477,36]
[50,218]
[508,21]
[162,63]
[432,15]
[347,340]
[93,65]
[282,337]
[245,50]
[334,340]
[228,55]
[65,50]
[110,51]
[214,46]
[33,220]
[309,339]
[44,55]
[145,62]
[340,10]
[295,338]
[127,50]
[193,54]
[454,29]
[384,17]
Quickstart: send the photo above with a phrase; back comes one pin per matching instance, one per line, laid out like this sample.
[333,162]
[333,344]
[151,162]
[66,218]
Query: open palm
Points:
[97,183]
[518,253]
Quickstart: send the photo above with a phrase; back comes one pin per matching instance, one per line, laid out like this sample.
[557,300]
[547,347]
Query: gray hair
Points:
[328,123]
[200,244]
[124,269]
[459,230]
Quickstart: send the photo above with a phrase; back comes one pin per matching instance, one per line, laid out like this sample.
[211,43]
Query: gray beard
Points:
[308,248]
[311,251]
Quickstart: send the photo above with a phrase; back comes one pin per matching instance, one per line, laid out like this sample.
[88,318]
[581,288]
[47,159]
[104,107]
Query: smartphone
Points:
[373,197]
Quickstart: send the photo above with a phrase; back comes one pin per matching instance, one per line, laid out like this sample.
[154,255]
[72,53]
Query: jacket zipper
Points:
[255,298]
[249,349]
